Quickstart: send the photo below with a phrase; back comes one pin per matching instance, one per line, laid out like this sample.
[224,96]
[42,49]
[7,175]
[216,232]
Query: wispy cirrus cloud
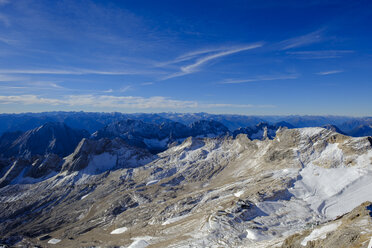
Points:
[103,101]
[228,105]
[208,55]
[307,39]
[7,87]
[119,102]
[45,84]
[260,78]
[5,20]
[7,78]
[323,73]
[192,55]
[3,2]
[33,87]
[7,40]
[29,100]
[53,87]
[125,88]
[73,72]
[320,54]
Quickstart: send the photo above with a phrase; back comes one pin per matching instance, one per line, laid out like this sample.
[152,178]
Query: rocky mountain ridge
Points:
[225,191]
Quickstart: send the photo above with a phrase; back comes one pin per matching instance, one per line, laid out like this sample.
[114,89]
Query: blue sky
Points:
[239,57]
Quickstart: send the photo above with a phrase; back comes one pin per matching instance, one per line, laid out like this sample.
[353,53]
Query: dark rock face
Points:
[43,165]
[37,152]
[37,166]
[80,158]
[56,138]
[15,169]
[8,138]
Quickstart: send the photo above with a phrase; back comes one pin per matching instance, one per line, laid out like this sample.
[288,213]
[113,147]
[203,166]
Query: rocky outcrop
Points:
[261,131]
[350,230]
[121,155]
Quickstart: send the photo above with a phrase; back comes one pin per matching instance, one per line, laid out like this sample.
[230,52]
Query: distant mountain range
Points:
[92,122]
[157,137]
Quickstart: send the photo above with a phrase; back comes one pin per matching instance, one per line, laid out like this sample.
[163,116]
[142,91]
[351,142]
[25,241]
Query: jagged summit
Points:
[262,130]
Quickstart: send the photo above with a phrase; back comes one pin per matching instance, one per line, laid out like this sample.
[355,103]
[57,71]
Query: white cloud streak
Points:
[197,64]
[194,67]
[125,88]
[303,40]
[72,72]
[320,54]
[3,2]
[7,41]
[5,20]
[6,78]
[104,101]
[260,78]
[192,55]
[46,85]
[227,105]
[323,73]
[34,86]
[118,102]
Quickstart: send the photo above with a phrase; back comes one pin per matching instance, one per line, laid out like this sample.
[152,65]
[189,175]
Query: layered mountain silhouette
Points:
[157,137]
[51,137]
[93,122]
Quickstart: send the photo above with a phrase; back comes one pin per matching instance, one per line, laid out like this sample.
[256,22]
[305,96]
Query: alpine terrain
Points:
[135,183]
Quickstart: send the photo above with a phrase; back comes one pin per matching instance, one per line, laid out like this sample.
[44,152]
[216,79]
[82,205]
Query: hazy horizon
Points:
[190,113]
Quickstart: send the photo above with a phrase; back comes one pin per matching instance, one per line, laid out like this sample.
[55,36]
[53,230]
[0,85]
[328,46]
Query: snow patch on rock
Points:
[140,242]
[119,230]
[320,233]
[54,241]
